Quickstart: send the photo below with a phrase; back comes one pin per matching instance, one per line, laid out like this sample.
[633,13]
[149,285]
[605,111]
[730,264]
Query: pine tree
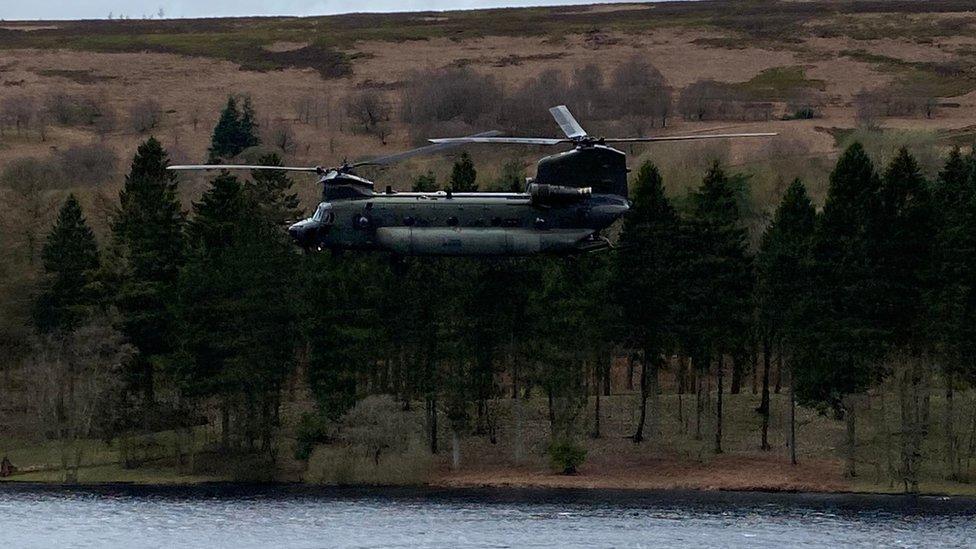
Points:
[425,183]
[721,278]
[236,130]
[148,239]
[844,342]
[223,142]
[463,175]
[783,279]
[218,216]
[904,237]
[270,190]
[71,261]
[647,282]
[247,127]
[951,297]
[237,310]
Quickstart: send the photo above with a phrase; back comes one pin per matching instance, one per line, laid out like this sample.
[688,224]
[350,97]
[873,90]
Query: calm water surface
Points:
[286,517]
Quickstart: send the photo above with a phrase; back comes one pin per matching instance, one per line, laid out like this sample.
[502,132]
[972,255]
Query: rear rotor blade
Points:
[427,149]
[567,122]
[190,167]
[684,137]
[504,140]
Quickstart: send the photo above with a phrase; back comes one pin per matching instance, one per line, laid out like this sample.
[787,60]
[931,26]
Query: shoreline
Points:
[487,492]
[934,504]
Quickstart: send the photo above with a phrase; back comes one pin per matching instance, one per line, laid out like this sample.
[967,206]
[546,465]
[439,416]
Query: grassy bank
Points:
[673,459]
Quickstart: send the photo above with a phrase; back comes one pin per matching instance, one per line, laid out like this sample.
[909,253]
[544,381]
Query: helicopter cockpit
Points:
[307,231]
[323,214]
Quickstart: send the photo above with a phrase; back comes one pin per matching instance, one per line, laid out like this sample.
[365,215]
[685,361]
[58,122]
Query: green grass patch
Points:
[935,79]
[779,83]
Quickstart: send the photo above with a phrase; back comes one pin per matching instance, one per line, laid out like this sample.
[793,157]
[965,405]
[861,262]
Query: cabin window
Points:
[496,221]
[452,221]
[409,221]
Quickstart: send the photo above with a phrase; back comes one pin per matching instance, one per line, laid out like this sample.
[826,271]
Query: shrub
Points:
[312,429]
[566,456]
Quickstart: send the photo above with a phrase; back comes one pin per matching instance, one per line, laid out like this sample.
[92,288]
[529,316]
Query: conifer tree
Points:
[271,191]
[223,142]
[247,127]
[844,342]
[783,280]
[71,261]
[647,279]
[951,298]
[905,233]
[218,216]
[425,183]
[236,130]
[148,238]
[237,313]
[463,175]
[721,279]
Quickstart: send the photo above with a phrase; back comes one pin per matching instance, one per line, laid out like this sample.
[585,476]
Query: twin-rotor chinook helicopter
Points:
[573,197]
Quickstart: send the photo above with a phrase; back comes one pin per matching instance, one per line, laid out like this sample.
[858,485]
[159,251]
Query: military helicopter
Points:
[574,196]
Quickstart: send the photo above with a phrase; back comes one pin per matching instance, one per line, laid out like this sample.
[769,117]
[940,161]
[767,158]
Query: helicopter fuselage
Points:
[443,223]
[574,196]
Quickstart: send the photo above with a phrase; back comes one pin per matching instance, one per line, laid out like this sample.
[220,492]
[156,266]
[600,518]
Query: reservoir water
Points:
[285,517]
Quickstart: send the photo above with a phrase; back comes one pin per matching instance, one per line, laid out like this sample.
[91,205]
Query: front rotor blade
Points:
[504,140]
[684,137]
[427,149]
[567,122]
[190,167]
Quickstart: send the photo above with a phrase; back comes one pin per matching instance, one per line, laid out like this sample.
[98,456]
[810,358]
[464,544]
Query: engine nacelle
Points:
[557,194]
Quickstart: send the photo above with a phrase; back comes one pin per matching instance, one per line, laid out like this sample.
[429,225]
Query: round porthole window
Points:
[409,221]
[452,221]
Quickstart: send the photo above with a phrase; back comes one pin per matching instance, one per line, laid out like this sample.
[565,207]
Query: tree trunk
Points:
[849,416]
[606,371]
[779,372]
[630,372]
[951,443]
[792,420]
[455,449]
[519,441]
[432,423]
[764,401]
[699,404]
[718,403]
[754,361]
[596,408]
[736,382]
[639,434]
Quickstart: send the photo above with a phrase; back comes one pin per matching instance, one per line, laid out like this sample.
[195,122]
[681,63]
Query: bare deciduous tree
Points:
[461,97]
[70,374]
[642,91]
[280,135]
[145,115]
[19,111]
[87,164]
[368,108]
[72,110]
[30,203]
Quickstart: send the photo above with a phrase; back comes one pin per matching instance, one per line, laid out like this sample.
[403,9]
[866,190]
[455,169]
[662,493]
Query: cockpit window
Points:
[323,213]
